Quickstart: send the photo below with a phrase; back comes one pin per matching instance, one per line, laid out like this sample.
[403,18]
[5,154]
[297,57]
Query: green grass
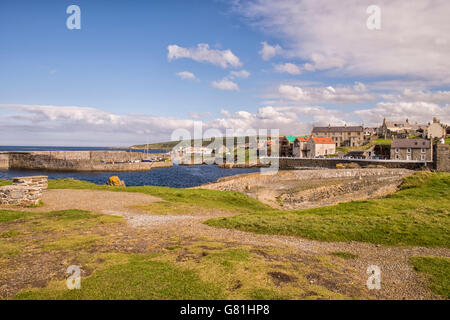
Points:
[344,255]
[9,234]
[383,142]
[73,242]
[5,183]
[416,215]
[211,199]
[447,141]
[139,278]
[437,270]
[9,215]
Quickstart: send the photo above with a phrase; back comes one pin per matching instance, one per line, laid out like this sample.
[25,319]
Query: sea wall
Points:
[295,163]
[301,189]
[84,161]
[25,191]
[4,161]
[242,182]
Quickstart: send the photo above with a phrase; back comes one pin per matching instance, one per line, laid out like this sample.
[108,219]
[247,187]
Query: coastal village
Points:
[392,140]
[396,140]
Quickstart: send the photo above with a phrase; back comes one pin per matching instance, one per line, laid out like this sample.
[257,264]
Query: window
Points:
[422,157]
[396,150]
[422,150]
[408,157]
[397,156]
[409,150]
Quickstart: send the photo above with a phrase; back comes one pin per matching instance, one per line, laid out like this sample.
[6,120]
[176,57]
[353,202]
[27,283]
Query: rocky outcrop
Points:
[115,181]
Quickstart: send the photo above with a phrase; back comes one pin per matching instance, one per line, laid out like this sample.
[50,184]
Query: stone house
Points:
[342,136]
[370,133]
[286,145]
[411,149]
[311,147]
[401,129]
[436,130]
[320,147]
[300,149]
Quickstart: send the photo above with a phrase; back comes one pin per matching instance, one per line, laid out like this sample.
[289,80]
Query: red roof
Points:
[302,139]
[322,140]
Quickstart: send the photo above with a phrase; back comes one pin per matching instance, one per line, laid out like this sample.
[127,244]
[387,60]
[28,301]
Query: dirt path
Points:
[92,200]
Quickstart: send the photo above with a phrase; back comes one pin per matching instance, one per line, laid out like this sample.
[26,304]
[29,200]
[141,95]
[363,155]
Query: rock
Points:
[351,165]
[114,181]
[226,165]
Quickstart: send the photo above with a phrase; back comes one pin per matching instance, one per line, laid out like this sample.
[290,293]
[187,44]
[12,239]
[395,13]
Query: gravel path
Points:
[92,200]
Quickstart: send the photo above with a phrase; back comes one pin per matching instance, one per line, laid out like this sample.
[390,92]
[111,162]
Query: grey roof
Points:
[405,124]
[410,143]
[339,129]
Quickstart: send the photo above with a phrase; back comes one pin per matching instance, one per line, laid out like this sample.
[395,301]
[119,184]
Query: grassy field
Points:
[119,262]
[419,215]
[437,271]
[383,142]
[5,183]
[176,199]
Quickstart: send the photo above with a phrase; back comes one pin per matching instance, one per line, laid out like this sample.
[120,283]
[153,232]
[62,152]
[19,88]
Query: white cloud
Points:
[199,115]
[287,68]
[41,125]
[225,84]
[203,53]
[413,40]
[265,118]
[186,75]
[339,95]
[421,112]
[239,74]
[424,96]
[55,125]
[268,52]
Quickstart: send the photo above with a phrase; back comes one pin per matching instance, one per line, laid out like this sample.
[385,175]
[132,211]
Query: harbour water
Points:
[176,176]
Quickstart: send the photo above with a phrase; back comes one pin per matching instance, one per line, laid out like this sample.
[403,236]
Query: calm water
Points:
[176,177]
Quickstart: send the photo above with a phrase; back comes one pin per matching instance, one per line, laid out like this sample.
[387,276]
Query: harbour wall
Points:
[4,161]
[296,163]
[83,161]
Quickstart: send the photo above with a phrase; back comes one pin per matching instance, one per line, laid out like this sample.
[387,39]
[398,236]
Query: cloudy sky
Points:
[138,70]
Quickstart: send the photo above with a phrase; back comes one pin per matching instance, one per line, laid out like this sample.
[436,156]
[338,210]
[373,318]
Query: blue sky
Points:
[114,82]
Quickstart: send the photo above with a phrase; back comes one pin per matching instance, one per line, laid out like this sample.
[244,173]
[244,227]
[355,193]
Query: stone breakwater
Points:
[24,191]
[83,161]
[299,189]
